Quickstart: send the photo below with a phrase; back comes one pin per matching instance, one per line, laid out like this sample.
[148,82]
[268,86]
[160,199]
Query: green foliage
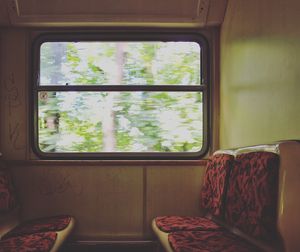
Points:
[141,121]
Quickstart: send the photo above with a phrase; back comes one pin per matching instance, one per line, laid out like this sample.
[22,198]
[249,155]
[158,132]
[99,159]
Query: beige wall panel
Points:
[13,89]
[289,207]
[173,191]
[260,61]
[107,202]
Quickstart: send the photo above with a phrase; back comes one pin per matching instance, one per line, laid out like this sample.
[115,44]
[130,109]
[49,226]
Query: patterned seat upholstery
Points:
[178,223]
[213,194]
[36,235]
[244,197]
[39,242]
[215,181]
[251,202]
[7,193]
[208,241]
[54,223]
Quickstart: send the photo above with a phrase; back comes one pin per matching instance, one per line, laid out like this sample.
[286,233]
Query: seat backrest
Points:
[251,199]
[8,202]
[215,182]
[7,193]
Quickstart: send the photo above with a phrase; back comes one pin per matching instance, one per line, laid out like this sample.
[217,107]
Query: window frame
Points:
[114,36]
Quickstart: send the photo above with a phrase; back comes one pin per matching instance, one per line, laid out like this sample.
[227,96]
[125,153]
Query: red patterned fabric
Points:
[7,192]
[55,223]
[215,182]
[208,241]
[39,242]
[178,223]
[252,194]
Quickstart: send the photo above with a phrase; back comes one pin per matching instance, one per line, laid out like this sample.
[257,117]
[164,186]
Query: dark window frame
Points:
[134,36]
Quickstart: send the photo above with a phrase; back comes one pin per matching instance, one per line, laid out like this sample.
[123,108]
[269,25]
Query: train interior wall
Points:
[109,201]
[259,103]
[260,72]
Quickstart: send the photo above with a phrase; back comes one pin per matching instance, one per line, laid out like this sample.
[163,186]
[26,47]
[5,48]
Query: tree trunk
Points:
[108,123]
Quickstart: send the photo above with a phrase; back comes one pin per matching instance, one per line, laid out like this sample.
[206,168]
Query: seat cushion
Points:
[7,193]
[40,242]
[251,203]
[54,223]
[184,223]
[215,182]
[208,241]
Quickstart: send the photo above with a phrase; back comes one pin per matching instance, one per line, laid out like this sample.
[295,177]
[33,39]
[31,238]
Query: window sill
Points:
[201,162]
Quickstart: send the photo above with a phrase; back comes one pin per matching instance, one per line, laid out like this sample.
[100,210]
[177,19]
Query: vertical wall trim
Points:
[144,201]
[1,95]
[215,91]
[26,100]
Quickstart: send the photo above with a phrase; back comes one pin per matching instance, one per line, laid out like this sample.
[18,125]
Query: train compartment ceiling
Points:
[69,13]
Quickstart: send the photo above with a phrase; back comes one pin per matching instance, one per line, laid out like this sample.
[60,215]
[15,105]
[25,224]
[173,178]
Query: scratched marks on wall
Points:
[53,181]
[12,94]
[13,103]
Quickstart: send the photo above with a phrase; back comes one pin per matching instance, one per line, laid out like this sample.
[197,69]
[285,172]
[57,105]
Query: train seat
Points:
[251,202]
[44,234]
[247,220]
[40,242]
[209,241]
[213,195]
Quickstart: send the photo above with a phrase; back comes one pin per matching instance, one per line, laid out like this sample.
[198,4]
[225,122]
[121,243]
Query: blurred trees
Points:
[94,121]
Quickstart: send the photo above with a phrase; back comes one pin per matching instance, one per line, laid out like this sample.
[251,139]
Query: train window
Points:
[127,97]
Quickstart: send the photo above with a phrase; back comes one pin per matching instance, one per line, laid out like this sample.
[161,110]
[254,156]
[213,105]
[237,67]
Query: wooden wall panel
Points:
[4,18]
[173,191]
[109,203]
[106,201]
[14,92]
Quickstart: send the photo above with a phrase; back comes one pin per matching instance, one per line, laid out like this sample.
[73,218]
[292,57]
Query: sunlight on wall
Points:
[259,79]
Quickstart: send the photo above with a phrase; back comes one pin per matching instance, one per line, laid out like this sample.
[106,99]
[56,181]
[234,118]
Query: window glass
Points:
[132,99]
[120,63]
[120,121]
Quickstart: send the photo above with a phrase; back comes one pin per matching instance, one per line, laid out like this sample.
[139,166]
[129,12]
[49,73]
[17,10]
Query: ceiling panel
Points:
[115,12]
[180,8]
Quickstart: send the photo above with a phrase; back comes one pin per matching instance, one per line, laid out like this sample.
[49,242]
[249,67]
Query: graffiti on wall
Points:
[57,181]
[13,103]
